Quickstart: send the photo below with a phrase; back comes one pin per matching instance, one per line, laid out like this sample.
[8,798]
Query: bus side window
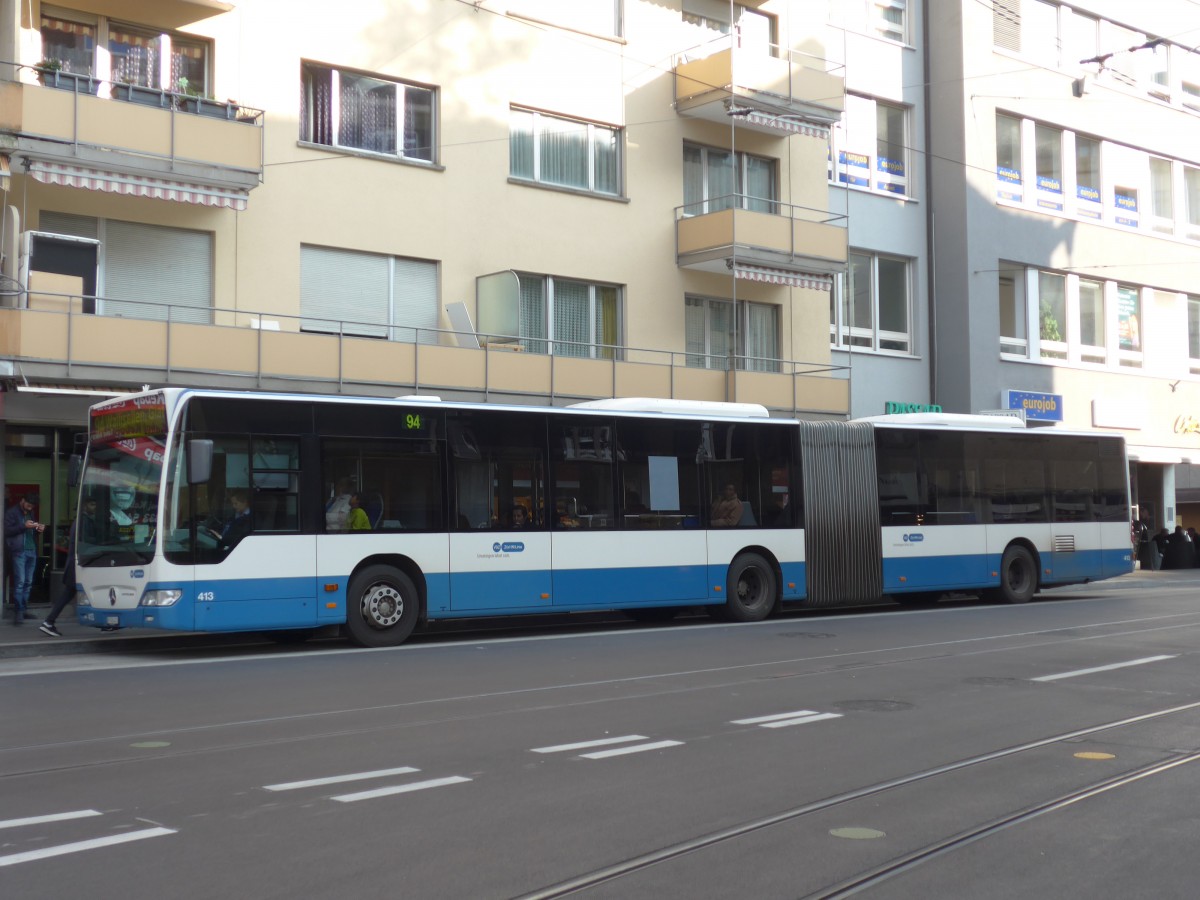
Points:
[583,473]
[499,464]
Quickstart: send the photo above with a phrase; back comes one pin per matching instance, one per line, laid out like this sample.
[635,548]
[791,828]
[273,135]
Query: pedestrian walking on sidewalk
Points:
[66,592]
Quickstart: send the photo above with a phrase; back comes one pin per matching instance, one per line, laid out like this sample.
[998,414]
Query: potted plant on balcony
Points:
[48,72]
[132,92]
[193,100]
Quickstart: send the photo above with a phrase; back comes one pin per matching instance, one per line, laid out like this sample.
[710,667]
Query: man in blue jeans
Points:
[20,539]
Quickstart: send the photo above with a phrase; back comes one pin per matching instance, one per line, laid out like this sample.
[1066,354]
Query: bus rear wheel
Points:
[1018,576]
[382,607]
[751,589]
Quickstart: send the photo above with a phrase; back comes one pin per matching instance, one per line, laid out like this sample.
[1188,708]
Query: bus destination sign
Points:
[133,417]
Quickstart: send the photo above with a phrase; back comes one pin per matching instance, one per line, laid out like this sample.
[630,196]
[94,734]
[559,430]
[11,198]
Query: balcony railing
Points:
[772,89]
[81,120]
[52,338]
[717,234]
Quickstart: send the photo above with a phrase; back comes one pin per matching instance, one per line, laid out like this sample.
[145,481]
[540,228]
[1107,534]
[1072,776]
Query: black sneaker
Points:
[48,628]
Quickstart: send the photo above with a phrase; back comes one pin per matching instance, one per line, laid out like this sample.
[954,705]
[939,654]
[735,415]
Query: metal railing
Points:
[351,337]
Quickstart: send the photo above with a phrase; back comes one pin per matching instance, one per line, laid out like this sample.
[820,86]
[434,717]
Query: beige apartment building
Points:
[528,200]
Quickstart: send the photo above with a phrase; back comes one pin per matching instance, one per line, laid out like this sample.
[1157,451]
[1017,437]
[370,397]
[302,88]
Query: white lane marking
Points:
[636,748]
[400,789]
[338,779]
[54,817]
[804,720]
[604,742]
[1121,665]
[62,849]
[759,719]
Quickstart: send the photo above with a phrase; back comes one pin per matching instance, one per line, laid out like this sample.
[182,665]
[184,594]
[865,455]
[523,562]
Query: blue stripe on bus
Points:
[975,570]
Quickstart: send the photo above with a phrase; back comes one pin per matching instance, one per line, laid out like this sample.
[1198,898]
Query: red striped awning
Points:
[135,185]
[768,275]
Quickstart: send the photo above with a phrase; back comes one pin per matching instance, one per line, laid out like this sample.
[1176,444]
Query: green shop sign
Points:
[892,407]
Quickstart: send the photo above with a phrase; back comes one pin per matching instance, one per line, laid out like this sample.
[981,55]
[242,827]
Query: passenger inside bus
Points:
[726,509]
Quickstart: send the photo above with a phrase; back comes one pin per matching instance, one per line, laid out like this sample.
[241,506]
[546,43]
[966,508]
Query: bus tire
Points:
[1018,576]
[382,607]
[751,589]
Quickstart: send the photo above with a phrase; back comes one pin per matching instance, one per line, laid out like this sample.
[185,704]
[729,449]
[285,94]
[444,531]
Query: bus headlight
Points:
[168,597]
[81,599]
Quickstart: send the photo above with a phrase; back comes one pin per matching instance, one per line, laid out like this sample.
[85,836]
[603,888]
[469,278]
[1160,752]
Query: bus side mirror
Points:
[74,467]
[199,460]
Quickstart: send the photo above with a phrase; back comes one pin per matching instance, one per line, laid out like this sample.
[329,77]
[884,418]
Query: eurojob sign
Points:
[1043,407]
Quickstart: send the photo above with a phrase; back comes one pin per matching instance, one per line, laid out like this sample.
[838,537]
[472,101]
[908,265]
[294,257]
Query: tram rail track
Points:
[871,877]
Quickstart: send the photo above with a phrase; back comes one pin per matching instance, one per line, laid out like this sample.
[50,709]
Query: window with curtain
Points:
[565,317]
[755,29]
[564,152]
[368,295]
[872,304]
[716,328]
[716,179]
[71,40]
[371,113]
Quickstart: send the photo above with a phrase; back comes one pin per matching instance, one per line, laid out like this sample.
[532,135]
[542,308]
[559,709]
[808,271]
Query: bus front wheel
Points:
[1018,576]
[750,589]
[381,607]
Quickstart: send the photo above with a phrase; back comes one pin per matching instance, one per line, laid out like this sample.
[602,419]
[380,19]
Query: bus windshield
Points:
[120,486]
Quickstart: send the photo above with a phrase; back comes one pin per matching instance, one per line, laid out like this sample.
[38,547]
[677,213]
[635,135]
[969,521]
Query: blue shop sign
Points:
[1043,407]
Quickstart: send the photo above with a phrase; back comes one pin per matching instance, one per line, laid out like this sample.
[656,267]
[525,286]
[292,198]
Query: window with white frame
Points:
[869,146]
[1114,184]
[564,152]
[1074,320]
[356,111]
[145,271]
[715,179]
[133,54]
[368,295]
[871,305]
[716,329]
[565,317]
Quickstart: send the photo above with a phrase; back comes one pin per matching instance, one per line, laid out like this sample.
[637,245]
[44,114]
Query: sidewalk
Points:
[25,640]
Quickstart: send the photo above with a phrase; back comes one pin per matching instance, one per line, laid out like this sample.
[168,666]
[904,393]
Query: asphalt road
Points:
[967,750]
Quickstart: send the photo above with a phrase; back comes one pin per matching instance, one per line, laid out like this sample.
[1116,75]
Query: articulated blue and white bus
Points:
[232,511]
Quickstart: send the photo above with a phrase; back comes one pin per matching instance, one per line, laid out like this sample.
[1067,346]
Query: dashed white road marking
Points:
[636,748]
[1120,665]
[53,817]
[783,720]
[339,779]
[583,745]
[401,789]
[62,849]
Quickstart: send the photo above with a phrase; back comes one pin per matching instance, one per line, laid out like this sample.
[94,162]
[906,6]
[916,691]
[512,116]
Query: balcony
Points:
[54,341]
[778,242]
[786,93]
[83,132]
